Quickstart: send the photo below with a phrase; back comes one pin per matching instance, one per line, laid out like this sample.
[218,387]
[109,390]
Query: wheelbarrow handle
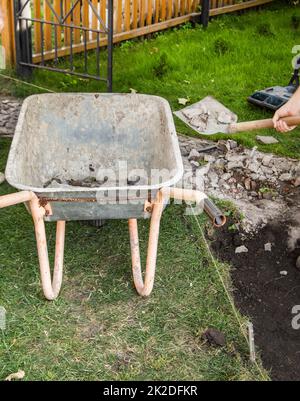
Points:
[190,195]
[15,198]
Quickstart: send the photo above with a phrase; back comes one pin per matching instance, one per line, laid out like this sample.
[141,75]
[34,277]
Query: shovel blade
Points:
[207,117]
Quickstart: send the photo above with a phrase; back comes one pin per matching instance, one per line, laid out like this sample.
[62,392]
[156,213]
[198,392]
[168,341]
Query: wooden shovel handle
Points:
[260,124]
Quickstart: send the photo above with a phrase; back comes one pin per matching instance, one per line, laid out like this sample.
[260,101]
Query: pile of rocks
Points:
[256,182]
[235,171]
[9,113]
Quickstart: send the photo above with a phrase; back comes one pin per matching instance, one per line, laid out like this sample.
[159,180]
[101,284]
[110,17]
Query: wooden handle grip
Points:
[260,124]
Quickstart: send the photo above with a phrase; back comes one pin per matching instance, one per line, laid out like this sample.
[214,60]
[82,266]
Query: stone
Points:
[194,163]
[254,176]
[234,165]
[285,177]
[200,122]
[224,117]
[268,247]
[232,180]
[241,249]
[253,152]
[203,170]
[235,158]
[4,131]
[184,151]
[253,185]
[213,177]
[209,158]
[283,273]
[225,176]
[232,144]
[266,140]
[266,161]
[261,177]
[268,195]
[224,184]
[2,178]
[283,165]
[194,155]
[14,104]
[254,166]
[223,145]
[10,126]
[267,170]
[214,337]
[220,164]
[247,183]
[297,181]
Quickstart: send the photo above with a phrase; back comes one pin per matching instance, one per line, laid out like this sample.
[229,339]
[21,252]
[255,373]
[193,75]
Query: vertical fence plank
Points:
[134,14]
[85,13]
[37,26]
[58,29]
[77,21]
[94,18]
[8,33]
[149,12]
[103,13]
[163,10]
[48,27]
[170,6]
[156,16]
[142,13]
[189,6]
[127,15]
[182,7]
[176,8]
[67,6]
[119,16]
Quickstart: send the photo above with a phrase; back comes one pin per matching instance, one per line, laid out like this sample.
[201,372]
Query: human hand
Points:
[291,108]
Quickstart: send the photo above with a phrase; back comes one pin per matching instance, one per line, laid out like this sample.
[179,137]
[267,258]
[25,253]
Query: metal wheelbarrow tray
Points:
[95,156]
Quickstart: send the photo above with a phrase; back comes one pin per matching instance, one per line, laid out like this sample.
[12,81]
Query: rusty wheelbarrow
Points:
[97,156]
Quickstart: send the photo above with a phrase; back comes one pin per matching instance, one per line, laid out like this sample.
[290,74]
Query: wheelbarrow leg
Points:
[144,287]
[50,287]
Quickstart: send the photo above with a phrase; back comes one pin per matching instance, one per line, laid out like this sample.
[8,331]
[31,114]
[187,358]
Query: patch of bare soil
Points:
[267,285]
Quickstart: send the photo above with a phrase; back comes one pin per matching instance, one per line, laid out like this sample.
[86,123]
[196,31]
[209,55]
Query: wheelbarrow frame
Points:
[51,283]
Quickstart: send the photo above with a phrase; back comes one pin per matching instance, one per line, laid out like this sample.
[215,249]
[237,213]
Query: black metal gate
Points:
[63,21]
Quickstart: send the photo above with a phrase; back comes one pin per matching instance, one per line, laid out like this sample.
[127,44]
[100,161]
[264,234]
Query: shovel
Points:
[209,117]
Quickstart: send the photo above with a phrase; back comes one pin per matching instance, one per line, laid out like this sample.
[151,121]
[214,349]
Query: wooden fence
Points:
[132,18]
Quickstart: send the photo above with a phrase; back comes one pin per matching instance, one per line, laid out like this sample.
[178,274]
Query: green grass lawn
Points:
[236,55]
[99,328]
